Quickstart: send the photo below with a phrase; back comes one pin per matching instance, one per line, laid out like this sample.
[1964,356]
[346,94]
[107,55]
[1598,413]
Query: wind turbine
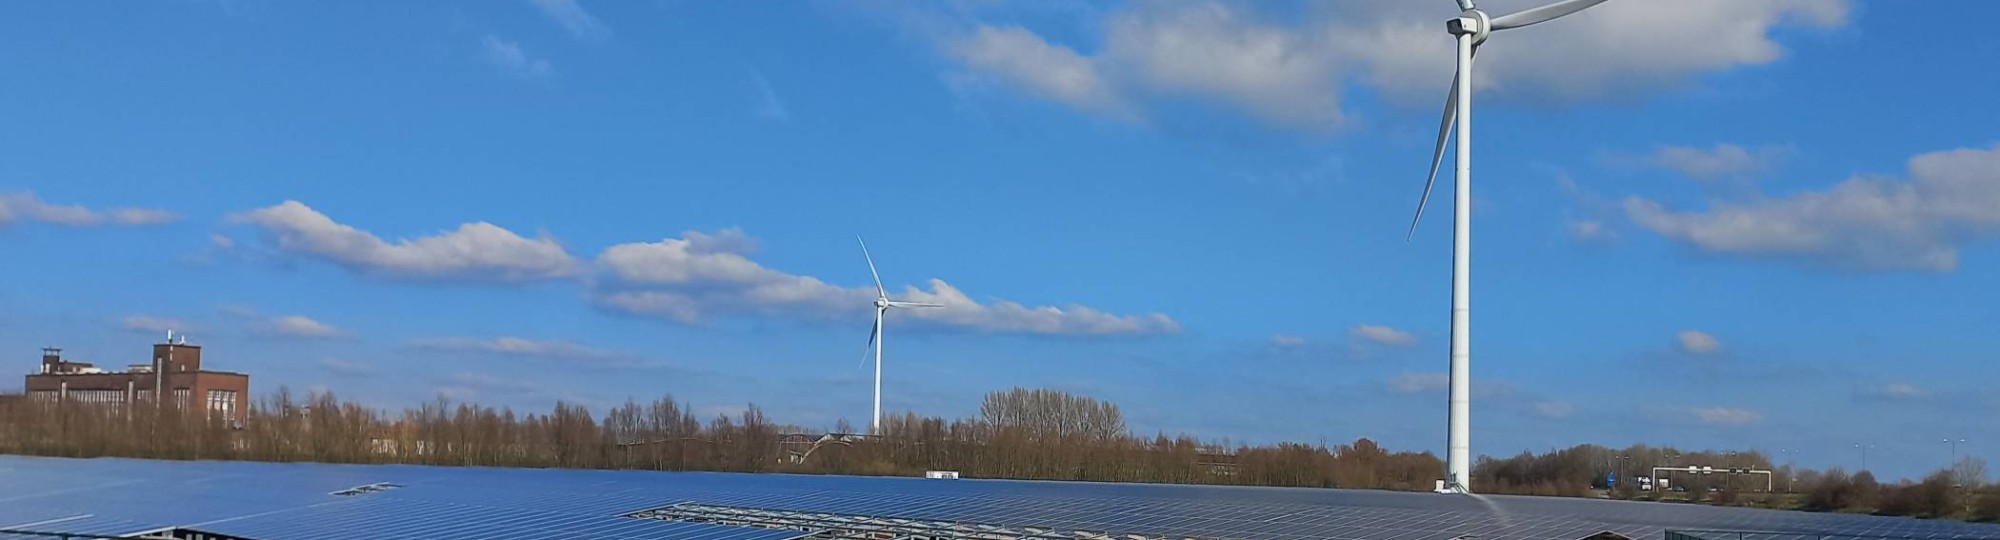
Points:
[1471,28]
[882,305]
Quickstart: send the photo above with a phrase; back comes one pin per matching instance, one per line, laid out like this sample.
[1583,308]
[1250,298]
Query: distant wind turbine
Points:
[1471,28]
[882,305]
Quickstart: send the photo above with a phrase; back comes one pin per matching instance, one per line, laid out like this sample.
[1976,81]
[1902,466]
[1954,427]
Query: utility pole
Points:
[1864,454]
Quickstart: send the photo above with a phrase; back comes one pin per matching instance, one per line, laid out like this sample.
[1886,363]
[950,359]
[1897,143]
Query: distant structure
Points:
[173,376]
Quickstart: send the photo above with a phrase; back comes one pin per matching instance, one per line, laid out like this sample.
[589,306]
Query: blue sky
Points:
[1718,223]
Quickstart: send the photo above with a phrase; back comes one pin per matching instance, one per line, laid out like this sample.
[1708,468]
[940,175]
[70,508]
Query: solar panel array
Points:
[278,501]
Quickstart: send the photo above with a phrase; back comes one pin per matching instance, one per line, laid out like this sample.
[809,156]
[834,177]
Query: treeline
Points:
[1019,433]
[1960,491]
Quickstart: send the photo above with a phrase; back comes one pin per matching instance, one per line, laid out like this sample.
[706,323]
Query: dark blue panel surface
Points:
[278,501]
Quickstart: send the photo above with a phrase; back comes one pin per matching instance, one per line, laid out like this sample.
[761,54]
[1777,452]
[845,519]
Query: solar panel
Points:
[277,501]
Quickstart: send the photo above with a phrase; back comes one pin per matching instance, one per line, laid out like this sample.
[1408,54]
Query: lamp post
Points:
[1622,460]
[1790,474]
[1953,467]
[1729,462]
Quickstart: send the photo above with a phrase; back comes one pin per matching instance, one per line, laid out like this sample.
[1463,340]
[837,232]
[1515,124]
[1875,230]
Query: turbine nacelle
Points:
[1471,21]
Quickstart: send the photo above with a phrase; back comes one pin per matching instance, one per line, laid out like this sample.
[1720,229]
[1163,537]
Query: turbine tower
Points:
[1470,28]
[882,305]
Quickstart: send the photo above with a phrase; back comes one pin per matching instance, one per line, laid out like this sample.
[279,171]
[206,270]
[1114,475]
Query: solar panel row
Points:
[276,501]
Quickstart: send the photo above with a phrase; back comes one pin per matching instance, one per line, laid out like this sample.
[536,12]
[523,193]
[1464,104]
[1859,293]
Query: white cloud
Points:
[1719,161]
[1290,70]
[1899,391]
[516,346]
[1383,335]
[1864,223]
[25,206]
[1411,383]
[1727,416]
[347,368]
[1615,49]
[476,251]
[1554,409]
[1590,230]
[1698,342]
[291,326]
[768,105]
[574,19]
[508,57]
[1020,57]
[687,278]
[299,326]
[1282,75]
[1287,341]
[152,324]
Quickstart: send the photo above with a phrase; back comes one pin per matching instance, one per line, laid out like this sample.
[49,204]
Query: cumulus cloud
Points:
[508,57]
[299,326]
[151,324]
[1207,49]
[1292,72]
[1383,335]
[1019,57]
[1719,161]
[687,278]
[1864,223]
[1615,49]
[476,251]
[516,346]
[26,207]
[574,19]
[1698,342]
[1727,416]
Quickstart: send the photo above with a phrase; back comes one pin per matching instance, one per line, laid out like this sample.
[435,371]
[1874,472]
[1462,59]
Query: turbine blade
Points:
[1541,14]
[872,331]
[1437,155]
[1465,5]
[879,291]
[898,303]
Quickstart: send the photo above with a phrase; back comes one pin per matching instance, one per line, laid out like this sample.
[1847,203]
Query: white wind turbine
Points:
[1471,28]
[882,305]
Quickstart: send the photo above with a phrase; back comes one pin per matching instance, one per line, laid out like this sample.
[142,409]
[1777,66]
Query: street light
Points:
[1622,460]
[1954,456]
[1791,473]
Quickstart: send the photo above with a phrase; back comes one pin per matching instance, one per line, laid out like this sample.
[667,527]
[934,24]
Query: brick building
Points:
[174,375]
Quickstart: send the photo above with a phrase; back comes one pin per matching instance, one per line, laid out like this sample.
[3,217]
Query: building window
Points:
[222,402]
[97,396]
[181,396]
